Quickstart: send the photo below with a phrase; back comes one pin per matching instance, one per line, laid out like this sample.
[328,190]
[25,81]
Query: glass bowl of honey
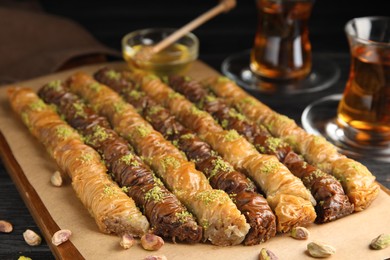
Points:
[175,59]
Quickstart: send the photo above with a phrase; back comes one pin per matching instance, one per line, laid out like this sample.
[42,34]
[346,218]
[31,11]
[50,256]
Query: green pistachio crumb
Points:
[212,196]
[170,161]
[110,191]
[119,107]
[154,194]
[154,110]
[143,131]
[269,167]
[95,86]
[63,131]
[112,74]
[55,84]
[125,189]
[38,105]
[232,135]
[187,136]
[127,158]
[183,216]
[220,165]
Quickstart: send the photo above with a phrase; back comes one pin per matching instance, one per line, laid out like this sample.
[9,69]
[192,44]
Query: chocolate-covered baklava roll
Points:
[219,172]
[167,216]
[112,209]
[358,182]
[285,193]
[222,222]
[332,203]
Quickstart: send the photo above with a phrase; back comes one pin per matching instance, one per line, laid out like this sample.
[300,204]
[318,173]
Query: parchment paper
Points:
[350,236]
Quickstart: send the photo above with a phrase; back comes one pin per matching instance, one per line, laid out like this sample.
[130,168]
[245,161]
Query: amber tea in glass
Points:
[282,48]
[364,109]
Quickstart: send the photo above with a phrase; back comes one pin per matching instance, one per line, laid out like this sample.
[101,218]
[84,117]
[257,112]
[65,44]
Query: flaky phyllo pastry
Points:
[332,203]
[222,222]
[358,182]
[285,193]
[112,209]
[167,216]
[220,173]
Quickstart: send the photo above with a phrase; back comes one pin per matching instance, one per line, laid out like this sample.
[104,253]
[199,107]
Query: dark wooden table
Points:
[219,38]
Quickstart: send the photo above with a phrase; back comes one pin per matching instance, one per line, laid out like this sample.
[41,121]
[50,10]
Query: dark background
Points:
[227,33]
[109,21]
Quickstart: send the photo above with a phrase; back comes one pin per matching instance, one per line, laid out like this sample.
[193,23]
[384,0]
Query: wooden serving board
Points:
[53,208]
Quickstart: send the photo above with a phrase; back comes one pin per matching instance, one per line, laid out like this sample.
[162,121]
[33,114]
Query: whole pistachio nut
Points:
[300,233]
[266,254]
[5,226]
[127,241]
[320,250]
[61,236]
[380,242]
[31,238]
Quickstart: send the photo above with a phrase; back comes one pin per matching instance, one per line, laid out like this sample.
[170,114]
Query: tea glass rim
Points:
[349,31]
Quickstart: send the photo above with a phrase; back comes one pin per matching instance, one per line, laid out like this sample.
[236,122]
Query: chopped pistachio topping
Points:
[86,157]
[212,196]
[274,143]
[100,133]
[183,216]
[224,123]
[143,131]
[210,98]
[135,94]
[233,113]
[63,131]
[25,119]
[79,107]
[174,95]
[232,135]
[157,180]
[154,194]
[125,189]
[154,110]
[233,197]
[119,107]
[95,86]
[223,79]
[112,74]
[187,136]
[195,111]
[220,165]
[127,158]
[110,191]
[269,167]
[175,143]
[187,78]
[170,161]
[315,175]
[248,100]
[205,224]
[38,105]
[54,84]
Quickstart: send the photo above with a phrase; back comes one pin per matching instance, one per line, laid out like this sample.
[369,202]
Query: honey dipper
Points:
[147,52]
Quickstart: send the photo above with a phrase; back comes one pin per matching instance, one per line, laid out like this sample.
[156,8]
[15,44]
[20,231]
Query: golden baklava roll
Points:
[332,203]
[167,215]
[112,209]
[219,172]
[358,182]
[285,193]
[222,222]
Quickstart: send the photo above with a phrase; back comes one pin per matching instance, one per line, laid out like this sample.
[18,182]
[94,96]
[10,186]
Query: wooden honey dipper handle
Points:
[223,6]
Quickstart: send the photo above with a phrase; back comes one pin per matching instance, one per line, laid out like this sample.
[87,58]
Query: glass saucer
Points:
[319,118]
[323,75]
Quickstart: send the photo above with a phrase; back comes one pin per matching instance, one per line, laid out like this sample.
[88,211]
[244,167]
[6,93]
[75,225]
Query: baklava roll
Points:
[222,222]
[285,193]
[219,172]
[332,203]
[358,182]
[112,209]
[167,216]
